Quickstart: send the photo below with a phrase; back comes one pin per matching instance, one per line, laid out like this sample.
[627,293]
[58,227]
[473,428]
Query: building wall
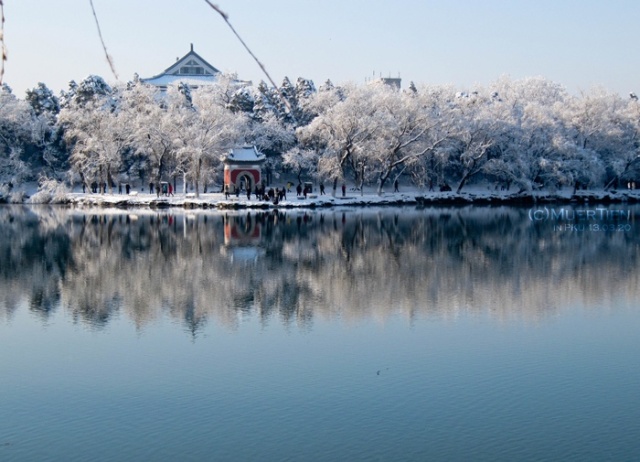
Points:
[234,174]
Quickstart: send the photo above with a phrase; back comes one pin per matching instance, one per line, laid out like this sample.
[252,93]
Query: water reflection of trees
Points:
[298,266]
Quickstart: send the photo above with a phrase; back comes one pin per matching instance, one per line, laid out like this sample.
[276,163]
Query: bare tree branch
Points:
[225,16]
[3,49]
[104,47]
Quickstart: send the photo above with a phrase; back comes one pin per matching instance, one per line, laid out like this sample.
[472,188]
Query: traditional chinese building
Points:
[243,169]
[191,69]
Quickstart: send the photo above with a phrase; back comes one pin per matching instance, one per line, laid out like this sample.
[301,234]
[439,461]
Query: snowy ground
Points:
[406,196]
[410,196]
[217,200]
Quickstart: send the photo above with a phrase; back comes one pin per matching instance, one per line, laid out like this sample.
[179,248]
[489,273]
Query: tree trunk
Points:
[383,180]
[197,178]
[109,180]
[83,181]
[463,181]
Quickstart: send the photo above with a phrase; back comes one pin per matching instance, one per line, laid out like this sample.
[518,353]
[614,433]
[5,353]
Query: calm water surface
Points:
[373,334]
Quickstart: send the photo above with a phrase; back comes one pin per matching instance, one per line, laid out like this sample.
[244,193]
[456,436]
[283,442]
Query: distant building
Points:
[395,82]
[191,69]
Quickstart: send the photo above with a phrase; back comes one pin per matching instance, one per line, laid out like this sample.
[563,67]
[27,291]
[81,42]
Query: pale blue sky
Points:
[578,44]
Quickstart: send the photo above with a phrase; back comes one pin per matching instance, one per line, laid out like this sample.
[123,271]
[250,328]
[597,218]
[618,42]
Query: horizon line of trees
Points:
[528,134]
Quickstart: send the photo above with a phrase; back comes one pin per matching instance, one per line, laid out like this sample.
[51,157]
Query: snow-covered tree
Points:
[289,103]
[208,131]
[15,120]
[271,136]
[89,89]
[232,93]
[153,121]
[48,151]
[100,135]
[626,166]
[302,110]
[473,134]
[266,101]
[341,133]
[42,100]
[301,162]
[242,100]
[529,133]
[594,123]
[406,128]
[526,144]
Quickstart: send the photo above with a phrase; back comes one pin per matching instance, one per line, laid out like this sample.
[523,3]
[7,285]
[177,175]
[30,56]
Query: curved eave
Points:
[244,162]
[191,80]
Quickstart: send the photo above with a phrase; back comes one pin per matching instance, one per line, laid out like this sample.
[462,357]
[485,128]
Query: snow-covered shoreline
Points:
[416,197]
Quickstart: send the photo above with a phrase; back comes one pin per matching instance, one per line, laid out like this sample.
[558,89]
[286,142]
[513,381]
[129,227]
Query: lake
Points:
[468,333]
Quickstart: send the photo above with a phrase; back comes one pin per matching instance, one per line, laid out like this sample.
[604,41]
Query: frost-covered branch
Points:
[104,46]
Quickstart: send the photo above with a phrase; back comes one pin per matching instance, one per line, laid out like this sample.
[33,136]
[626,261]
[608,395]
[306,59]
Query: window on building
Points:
[192,70]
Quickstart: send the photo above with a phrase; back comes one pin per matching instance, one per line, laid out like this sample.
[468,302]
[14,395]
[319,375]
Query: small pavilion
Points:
[243,169]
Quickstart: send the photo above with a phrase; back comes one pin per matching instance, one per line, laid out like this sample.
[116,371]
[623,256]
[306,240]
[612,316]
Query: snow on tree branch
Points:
[3,49]
[104,47]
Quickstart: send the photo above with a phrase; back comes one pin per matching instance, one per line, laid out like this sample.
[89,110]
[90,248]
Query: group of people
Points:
[97,188]
[260,191]
[277,194]
[307,189]
[300,191]
[165,189]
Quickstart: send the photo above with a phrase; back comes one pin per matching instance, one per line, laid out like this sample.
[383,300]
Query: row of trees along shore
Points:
[517,135]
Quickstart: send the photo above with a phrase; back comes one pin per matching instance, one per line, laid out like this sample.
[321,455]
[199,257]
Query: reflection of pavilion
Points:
[242,236]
